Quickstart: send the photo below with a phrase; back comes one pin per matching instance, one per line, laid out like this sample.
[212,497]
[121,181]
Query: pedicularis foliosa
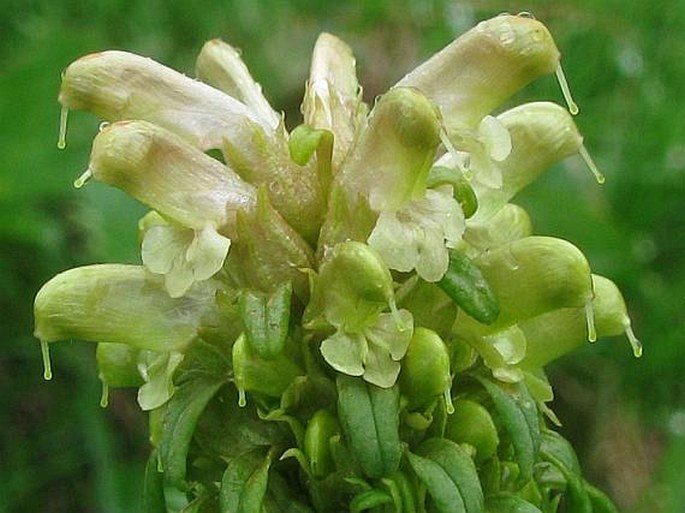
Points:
[350,315]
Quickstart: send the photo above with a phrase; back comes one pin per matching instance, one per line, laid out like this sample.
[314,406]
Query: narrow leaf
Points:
[465,284]
[369,416]
[514,422]
[153,487]
[244,484]
[440,487]
[182,414]
[506,503]
[368,500]
[459,467]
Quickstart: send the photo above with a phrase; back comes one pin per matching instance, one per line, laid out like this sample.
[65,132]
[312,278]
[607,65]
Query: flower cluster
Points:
[351,274]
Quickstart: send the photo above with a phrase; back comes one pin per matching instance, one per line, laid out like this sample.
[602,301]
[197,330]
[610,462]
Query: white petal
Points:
[386,334]
[157,369]
[433,256]
[179,280]
[207,253]
[162,245]
[345,352]
[496,138]
[380,369]
[394,241]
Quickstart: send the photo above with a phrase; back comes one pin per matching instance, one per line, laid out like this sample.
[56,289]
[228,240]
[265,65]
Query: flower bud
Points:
[477,72]
[472,424]
[317,439]
[425,371]
[353,286]
[220,65]
[252,373]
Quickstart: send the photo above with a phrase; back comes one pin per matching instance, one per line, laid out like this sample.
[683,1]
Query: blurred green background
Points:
[60,452]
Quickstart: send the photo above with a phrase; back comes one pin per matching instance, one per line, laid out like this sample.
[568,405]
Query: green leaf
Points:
[444,492]
[402,491]
[281,497]
[577,497]
[368,500]
[600,502]
[556,447]
[181,417]
[369,417]
[266,319]
[244,484]
[465,284]
[514,421]
[226,430]
[530,412]
[153,487]
[507,503]
[459,467]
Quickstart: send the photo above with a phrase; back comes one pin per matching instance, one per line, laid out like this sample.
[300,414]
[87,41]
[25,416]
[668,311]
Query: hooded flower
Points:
[345,198]
[336,278]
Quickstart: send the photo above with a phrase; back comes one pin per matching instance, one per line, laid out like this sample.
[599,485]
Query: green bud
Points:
[160,169]
[425,371]
[317,442]
[353,286]
[472,424]
[304,142]
[220,65]
[251,373]
[482,68]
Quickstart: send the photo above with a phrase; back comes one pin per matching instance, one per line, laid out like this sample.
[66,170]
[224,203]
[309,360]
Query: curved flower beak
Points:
[166,173]
[120,304]
[117,85]
[475,74]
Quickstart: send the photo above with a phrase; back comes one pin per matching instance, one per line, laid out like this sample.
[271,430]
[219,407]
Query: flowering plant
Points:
[348,315]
